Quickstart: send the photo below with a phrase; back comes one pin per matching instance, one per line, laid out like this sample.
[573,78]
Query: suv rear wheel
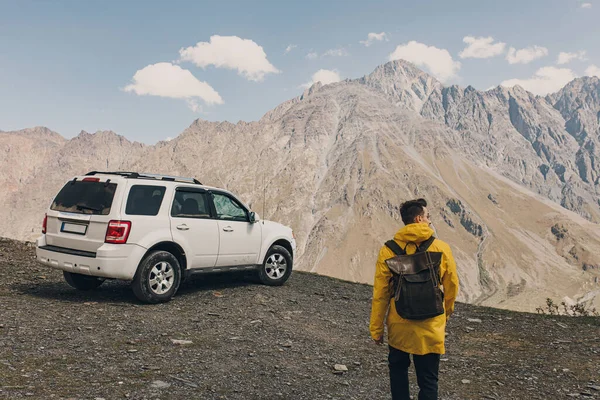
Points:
[82,282]
[277,267]
[157,278]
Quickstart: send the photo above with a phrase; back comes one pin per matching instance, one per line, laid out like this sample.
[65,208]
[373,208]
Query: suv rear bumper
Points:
[117,261]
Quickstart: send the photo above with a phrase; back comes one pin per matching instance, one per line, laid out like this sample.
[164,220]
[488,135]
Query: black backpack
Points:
[416,281]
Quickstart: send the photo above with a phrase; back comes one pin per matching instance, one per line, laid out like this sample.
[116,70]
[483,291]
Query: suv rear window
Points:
[144,200]
[85,198]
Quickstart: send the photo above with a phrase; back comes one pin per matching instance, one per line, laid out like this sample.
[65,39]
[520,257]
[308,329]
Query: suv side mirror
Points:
[252,218]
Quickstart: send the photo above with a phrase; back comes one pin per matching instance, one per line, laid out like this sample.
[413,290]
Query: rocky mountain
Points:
[546,144]
[37,164]
[500,168]
[579,105]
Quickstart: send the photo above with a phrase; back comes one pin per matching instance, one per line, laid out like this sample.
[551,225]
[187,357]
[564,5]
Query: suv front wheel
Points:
[157,278]
[82,282]
[277,267]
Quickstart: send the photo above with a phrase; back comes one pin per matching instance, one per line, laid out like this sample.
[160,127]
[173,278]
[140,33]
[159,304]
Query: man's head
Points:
[414,212]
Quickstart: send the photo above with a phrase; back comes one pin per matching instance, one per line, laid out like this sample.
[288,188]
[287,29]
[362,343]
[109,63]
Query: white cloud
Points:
[167,80]
[481,47]
[336,53]
[586,5]
[290,48]
[372,37]
[168,139]
[341,52]
[565,58]
[325,76]
[545,80]
[592,70]
[194,105]
[438,61]
[526,55]
[244,55]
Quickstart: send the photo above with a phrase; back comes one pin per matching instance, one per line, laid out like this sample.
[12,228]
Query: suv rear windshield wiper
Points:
[82,207]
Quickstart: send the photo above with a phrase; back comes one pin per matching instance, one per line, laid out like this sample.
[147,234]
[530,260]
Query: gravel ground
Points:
[248,341]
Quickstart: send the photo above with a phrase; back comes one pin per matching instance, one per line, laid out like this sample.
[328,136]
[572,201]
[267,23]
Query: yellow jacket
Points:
[412,336]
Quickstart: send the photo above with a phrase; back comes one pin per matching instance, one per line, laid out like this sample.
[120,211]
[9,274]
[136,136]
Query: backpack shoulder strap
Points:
[425,245]
[395,247]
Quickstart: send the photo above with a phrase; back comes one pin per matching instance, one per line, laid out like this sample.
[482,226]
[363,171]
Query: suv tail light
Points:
[45,224]
[117,232]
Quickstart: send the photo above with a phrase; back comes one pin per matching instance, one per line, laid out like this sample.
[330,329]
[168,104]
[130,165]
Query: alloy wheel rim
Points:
[276,266]
[161,277]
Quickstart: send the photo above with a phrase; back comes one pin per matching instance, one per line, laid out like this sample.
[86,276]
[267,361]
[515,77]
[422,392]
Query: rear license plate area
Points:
[77,229]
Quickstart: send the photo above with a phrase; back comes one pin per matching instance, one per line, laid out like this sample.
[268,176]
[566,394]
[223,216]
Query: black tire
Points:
[270,272]
[82,282]
[149,285]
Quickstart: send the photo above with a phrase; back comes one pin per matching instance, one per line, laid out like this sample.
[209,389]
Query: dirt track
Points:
[250,341]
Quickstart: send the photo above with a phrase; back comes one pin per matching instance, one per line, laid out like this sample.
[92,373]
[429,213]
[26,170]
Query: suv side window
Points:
[190,204]
[144,200]
[228,208]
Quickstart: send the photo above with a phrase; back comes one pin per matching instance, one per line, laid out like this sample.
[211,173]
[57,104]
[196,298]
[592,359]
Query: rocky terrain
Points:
[225,337]
[503,170]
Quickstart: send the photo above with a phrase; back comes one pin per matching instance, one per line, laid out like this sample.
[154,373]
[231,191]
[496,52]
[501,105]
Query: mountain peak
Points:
[40,132]
[407,85]
[578,97]
[84,133]
[584,83]
[312,89]
[519,90]
[102,136]
[400,69]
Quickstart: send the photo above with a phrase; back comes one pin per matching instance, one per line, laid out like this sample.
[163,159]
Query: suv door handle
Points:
[228,229]
[183,227]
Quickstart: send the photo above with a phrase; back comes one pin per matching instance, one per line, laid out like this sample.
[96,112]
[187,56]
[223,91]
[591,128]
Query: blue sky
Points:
[70,65]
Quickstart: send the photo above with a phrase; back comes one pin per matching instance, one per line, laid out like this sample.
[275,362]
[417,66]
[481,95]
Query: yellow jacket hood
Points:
[415,233]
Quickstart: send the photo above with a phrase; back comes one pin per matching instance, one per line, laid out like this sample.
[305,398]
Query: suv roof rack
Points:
[137,175]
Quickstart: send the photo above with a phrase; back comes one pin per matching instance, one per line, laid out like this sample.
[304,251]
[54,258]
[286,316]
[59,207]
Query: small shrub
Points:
[573,310]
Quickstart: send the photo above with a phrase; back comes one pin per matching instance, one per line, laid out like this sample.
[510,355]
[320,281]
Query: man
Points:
[424,339]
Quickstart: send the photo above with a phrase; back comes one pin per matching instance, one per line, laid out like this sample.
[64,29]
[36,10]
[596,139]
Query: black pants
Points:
[427,368]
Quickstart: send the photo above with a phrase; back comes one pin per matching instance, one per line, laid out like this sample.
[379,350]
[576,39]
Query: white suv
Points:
[156,230]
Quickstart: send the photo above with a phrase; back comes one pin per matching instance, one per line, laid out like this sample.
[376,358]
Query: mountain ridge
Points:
[336,162]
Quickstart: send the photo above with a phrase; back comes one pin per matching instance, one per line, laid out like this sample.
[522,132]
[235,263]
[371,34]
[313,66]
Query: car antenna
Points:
[264,196]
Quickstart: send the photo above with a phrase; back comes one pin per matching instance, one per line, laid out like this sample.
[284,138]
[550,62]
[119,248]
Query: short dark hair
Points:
[411,209]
